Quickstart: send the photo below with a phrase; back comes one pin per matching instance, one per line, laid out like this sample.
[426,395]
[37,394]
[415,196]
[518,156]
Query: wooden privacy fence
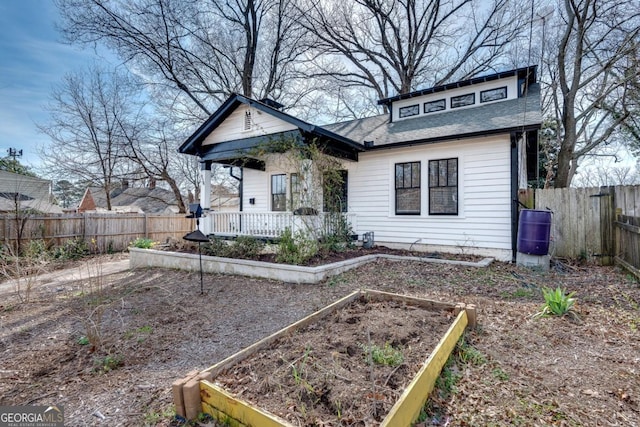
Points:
[598,224]
[103,232]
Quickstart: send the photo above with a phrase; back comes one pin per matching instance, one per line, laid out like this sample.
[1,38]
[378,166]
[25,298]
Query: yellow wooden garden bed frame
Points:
[196,393]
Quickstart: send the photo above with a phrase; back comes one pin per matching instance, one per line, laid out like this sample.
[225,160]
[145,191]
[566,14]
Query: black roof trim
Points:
[193,143]
[435,140]
[521,72]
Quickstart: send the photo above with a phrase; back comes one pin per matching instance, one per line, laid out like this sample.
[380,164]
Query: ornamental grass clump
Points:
[557,303]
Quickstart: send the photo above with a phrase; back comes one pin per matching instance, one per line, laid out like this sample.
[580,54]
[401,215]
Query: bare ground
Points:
[109,347]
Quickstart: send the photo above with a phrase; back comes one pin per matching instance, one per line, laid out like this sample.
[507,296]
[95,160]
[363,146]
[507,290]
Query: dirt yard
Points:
[107,348]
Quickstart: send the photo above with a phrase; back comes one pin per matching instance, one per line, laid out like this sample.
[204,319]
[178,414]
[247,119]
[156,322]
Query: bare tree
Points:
[201,51]
[86,115]
[590,76]
[393,47]
[151,148]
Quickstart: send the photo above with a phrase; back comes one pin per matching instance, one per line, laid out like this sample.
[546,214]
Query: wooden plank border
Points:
[225,407]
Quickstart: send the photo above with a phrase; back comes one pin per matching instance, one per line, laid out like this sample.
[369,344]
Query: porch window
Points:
[408,188]
[279,193]
[443,187]
[334,191]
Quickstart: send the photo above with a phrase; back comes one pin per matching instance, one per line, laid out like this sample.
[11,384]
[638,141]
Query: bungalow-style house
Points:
[439,172]
[151,200]
[26,193]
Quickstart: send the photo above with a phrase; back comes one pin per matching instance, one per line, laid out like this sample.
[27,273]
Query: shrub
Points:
[71,250]
[295,249]
[143,243]
[244,247]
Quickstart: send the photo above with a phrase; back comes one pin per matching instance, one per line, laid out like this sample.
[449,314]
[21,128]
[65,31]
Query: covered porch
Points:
[271,225]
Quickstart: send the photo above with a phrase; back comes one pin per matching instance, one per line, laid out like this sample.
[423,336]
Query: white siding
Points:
[484,219]
[233,127]
[484,194]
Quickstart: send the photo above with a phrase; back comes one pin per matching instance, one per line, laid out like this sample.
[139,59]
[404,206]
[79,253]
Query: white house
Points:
[440,172]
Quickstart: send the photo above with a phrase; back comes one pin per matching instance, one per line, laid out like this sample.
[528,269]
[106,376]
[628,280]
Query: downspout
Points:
[514,196]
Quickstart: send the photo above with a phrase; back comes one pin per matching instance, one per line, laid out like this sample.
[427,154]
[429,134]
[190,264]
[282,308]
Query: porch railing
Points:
[273,224]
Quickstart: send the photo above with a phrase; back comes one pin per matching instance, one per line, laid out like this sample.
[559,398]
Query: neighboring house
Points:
[224,199]
[440,172]
[24,192]
[151,200]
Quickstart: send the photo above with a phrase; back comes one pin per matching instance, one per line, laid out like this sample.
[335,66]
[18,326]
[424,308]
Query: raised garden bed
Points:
[143,258]
[371,358]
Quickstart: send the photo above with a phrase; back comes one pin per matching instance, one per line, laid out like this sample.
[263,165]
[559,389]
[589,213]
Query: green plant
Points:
[108,363]
[83,340]
[499,374]
[466,353]
[557,302]
[143,243]
[71,250]
[152,418]
[386,355]
[295,249]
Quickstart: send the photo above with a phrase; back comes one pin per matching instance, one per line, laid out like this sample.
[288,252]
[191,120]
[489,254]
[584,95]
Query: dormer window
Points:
[463,100]
[439,105]
[248,123]
[493,94]
[412,110]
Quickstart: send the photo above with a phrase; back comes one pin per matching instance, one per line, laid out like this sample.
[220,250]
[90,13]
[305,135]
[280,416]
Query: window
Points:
[412,110]
[408,188]
[279,193]
[493,94]
[247,120]
[439,105]
[335,190]
[443,187]
[463,100]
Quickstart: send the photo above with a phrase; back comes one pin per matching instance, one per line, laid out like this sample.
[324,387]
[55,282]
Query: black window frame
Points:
[442,105]
[401,187]
[484,92]
[460,97]
[415,111]
[449,182]
[282,192]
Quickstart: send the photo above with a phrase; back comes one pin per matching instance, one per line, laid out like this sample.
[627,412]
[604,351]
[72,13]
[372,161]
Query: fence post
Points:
[607,219]
[146,226]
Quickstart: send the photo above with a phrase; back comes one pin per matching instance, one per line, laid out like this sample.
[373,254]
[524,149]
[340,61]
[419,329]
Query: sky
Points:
[33,60]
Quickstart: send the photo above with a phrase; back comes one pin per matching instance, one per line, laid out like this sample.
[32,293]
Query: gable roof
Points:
[499,117]
[194,143]
[347,139]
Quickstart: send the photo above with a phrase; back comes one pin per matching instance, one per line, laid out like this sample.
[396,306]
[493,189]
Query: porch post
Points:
[205,186]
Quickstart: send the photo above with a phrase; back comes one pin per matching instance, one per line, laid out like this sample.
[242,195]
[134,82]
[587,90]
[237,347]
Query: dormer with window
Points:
[476,92]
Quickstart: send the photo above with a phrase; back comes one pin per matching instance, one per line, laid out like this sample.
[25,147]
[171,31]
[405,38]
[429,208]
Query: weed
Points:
[466,353]
[336,280]
[108,363]
[499,374]
[152,418]
[83,340]
[386,355]
[557,302]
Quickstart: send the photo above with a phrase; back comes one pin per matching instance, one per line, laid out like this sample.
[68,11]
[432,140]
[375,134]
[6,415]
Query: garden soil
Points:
[107,347]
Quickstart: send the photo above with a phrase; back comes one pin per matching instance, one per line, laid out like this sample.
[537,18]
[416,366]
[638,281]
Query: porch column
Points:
[205,186]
